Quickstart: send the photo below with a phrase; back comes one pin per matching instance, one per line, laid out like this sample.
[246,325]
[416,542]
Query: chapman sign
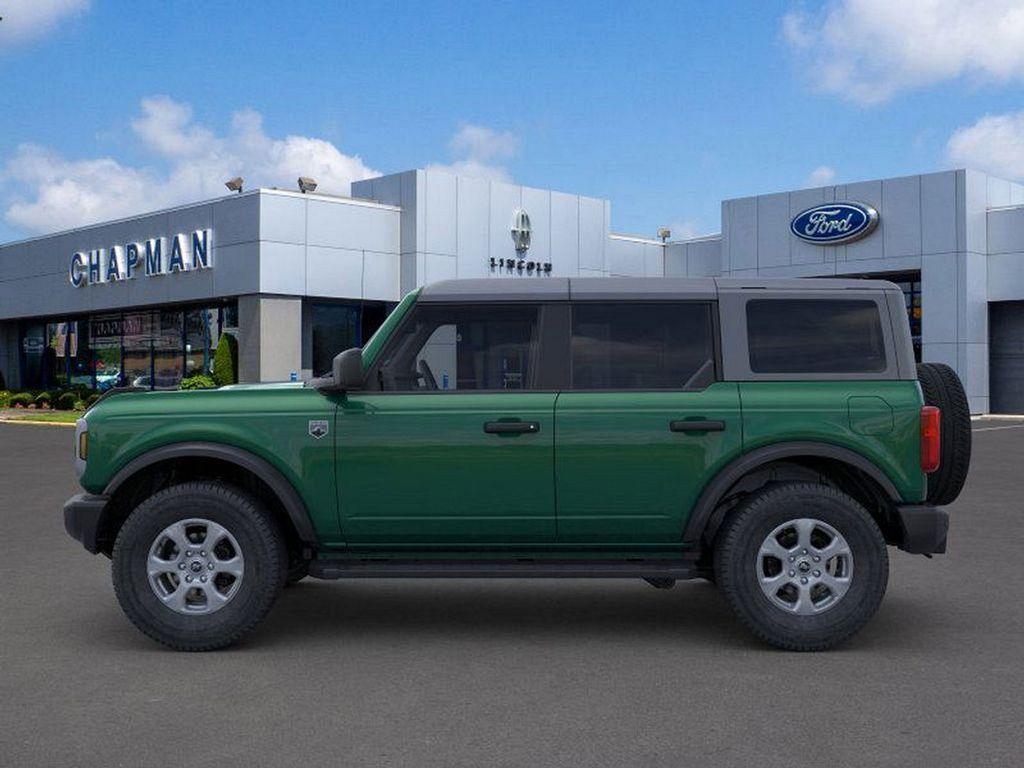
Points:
[156,256]
[834,223]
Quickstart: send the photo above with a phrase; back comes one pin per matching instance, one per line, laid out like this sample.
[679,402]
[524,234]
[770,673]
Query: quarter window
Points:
[815,336]
[620,345]
[463,348]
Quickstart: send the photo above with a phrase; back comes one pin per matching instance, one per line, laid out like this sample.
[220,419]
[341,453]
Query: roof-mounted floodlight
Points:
[306,184]
[235,184]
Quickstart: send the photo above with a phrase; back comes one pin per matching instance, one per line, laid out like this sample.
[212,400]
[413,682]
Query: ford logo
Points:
[834,223]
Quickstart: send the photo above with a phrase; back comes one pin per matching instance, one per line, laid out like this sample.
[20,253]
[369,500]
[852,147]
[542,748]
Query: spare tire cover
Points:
[942,388]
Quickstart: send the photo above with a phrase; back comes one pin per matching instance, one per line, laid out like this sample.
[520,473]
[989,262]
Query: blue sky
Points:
[109,108]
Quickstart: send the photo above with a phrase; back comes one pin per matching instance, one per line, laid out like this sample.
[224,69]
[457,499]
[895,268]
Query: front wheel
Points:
[198,565]
[803,565]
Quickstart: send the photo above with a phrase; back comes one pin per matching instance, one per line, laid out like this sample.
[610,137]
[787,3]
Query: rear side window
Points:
[815,336]
[620,345]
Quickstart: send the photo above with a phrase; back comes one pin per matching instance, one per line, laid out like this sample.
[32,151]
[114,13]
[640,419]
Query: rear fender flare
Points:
[702,519]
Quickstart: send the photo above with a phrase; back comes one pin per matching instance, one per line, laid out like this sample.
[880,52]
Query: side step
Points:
[386,568]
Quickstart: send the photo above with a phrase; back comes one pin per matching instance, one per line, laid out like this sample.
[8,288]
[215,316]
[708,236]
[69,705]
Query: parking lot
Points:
[511,673]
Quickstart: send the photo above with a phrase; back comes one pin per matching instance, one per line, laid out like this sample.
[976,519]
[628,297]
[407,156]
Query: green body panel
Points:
[270,421]
[622,475]
[880,420]
[376,343]
[603,474]
[419,468]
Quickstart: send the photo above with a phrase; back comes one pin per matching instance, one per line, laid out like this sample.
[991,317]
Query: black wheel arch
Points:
[709,511]
[290,504]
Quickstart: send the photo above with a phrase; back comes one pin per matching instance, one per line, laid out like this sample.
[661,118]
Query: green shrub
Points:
[66,402]
[5,398]
[90,401]
[21,400]
[199,381]
[43,399]
[225,360]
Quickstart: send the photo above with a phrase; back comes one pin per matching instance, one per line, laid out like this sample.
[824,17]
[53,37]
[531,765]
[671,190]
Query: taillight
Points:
[931,438]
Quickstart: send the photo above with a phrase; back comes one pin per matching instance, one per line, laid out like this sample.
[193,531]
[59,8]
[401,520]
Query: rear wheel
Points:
[941,387]
[198,565]
[803,565]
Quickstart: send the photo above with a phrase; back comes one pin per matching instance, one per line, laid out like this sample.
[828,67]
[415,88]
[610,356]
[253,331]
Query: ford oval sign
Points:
[834,223]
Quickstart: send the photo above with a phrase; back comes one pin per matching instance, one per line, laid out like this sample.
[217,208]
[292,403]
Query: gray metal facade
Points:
[961,231]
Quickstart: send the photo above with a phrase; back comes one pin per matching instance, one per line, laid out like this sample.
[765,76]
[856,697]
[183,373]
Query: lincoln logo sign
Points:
[156,256]
[834,223]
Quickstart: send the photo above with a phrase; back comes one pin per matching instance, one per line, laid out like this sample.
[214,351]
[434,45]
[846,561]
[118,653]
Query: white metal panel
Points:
[773,234]
[438,267]
[439,212]
[593,234]
[381,276]
[872,246]
[1006,230]
[901,212]
[939,296]
[282,218]
[676,260]
[625,257]
[473,227]
[565,234]
[938,212]
[742,233]
[282,268]
[236,268]
[335,272]
[1006,277]
[347,225]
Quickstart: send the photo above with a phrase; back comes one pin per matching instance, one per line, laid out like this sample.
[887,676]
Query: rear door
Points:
[458,446]
[644,423]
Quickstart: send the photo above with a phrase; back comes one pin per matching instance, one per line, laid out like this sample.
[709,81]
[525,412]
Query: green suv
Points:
[772,437]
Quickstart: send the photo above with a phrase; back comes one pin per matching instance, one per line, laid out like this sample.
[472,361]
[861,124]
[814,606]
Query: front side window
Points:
[815,336]
[642,345]
[463,348]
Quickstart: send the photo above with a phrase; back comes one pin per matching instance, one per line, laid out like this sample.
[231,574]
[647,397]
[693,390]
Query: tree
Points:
[225,360]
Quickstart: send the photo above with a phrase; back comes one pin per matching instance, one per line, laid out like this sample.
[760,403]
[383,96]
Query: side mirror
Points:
[346,372]
[348,369]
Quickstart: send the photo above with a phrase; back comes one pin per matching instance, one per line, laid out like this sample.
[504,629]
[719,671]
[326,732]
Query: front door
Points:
[644,423]
[458,444]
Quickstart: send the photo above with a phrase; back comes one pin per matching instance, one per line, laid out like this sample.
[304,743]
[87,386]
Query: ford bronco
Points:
[773,437]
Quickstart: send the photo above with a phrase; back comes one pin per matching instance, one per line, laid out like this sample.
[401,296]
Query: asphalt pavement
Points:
[511,673]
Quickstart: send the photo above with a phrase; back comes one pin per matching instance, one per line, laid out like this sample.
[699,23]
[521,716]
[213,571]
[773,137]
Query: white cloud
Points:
[820,176]
[25,20]
[994,143]
[479,151]
[868,50]
[685,230]
[49,192]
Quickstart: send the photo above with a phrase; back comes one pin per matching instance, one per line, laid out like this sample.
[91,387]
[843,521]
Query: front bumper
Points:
[924,528]
[82,516]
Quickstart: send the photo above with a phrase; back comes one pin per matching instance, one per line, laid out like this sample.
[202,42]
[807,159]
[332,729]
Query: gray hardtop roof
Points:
[618,288]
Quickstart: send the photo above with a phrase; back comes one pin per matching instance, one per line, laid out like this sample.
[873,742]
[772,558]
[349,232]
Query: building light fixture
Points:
[306,184]
[235,184]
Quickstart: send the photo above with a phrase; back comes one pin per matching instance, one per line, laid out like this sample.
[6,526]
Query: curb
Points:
[37,423]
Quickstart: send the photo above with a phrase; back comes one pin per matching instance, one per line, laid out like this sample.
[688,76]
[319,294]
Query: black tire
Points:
[736,563]
[262,546]
[941,387]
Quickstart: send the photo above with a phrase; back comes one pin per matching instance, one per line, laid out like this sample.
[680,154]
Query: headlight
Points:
[81,445]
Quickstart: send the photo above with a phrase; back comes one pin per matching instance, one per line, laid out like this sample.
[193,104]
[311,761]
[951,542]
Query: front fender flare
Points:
[285,491]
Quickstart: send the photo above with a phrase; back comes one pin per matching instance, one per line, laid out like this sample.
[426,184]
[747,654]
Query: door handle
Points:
[511,427]
[697,425]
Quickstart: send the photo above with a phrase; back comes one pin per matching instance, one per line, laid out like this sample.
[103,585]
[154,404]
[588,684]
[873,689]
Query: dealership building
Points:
[296,277]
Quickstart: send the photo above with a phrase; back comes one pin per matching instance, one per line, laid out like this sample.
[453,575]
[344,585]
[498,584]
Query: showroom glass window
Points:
[642,345]
[334,328]
[463,348]
[815,336]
